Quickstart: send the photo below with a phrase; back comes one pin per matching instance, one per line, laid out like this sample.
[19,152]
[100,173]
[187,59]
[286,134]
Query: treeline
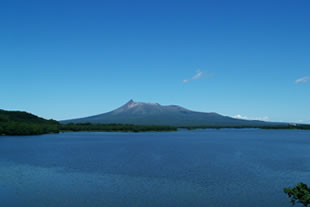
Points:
[114,128]
[297,126]
[288,126]
[23,123]
[15,128]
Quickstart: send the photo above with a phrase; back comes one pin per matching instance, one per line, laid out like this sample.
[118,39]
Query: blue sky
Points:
[67,59]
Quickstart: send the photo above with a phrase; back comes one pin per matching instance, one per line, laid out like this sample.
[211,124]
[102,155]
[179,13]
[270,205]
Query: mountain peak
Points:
[130,104]
[131,101]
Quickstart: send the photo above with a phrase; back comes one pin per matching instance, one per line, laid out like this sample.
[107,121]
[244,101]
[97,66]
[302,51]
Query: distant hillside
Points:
[139,113]
[23,123]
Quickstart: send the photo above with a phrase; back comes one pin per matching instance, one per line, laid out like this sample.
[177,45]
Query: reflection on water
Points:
[189,168]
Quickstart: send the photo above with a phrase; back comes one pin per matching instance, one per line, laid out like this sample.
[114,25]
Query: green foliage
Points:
[23,123]
[300,194]
[113,127]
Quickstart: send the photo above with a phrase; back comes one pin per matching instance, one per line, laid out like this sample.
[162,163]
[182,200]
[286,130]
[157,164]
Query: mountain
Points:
[140,113]
[23,123]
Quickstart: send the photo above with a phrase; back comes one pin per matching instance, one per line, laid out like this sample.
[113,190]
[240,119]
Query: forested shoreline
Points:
[17,123]
[114,128]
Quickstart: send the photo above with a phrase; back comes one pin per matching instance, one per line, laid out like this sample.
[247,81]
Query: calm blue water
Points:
[220,168]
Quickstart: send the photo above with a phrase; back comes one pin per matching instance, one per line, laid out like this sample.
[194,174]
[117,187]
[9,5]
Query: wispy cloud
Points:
[238,116]
[303,79]
[195,77]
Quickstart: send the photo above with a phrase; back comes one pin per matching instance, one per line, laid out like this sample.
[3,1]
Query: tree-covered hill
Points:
[23,123]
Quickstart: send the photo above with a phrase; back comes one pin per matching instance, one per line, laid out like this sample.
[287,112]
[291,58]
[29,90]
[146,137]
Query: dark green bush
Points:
[299,194]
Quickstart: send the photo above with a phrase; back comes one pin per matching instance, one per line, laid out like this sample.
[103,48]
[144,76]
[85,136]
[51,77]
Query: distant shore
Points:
[282,127]
[114,128]
[134,128]
[18,123]
[146,128]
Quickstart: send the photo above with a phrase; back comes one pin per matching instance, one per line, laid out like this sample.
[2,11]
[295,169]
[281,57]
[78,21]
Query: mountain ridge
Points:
[140,113]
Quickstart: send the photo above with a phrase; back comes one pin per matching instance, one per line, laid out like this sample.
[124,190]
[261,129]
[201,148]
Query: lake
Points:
[213,168]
